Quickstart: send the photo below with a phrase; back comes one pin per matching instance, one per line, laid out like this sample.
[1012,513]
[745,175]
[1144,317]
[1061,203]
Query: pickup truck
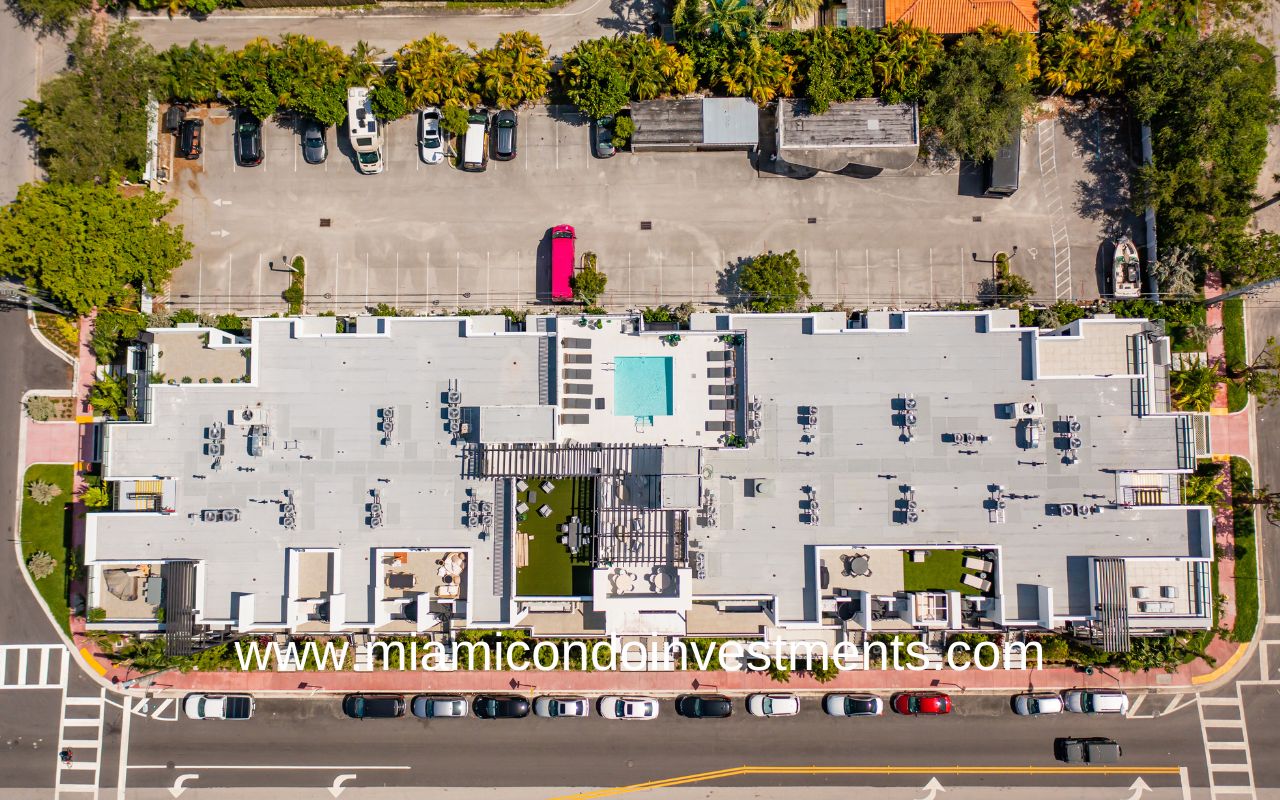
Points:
[218,706]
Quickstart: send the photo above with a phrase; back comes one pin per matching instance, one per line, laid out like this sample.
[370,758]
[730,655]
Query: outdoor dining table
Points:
[860,565]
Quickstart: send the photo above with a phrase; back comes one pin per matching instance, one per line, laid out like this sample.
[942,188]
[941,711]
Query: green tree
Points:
[725,19]
[905,57]
[623,129]
[1247,257]
[1006,287]
[433,72]
[1261,376]
[760,72]
[836,63]
[1209,103]
[980,95]
[594,78]
[1091,58]
[95,497]
[49,15]
[654,68]
[1195,388]
[772,282]
[389,103]
[91,120]
[589,282]
[310,77]
[364,64]
[514,71]
[192,73]
[453,119]
[85,244]
[246,79]
[1202,487]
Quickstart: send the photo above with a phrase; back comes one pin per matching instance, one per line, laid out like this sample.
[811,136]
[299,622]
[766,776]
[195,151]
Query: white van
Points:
[363,131]
[475,144]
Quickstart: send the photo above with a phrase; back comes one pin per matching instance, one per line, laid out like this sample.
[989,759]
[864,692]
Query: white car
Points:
[614,707]
[773,705]
[853,705]
[218,706]
[430,140]
[1035,704]
[1096,701]
[434,706]
[556,707]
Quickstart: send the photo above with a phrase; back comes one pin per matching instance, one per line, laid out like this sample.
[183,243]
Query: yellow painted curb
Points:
[1221,458]
[84,419]
[1222,670]
[733,772]
[93,662]
[1218,412]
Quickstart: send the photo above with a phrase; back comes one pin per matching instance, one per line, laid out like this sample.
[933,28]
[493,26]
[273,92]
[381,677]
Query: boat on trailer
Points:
[1126,275]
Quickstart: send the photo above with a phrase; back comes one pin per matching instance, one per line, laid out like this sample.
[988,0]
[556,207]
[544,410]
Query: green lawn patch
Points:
[48,528]
[552,570]
[1246,552]
[940,571]
[1234,345]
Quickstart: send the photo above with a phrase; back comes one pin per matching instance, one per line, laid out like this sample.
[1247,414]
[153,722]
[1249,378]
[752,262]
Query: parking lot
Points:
[665,226]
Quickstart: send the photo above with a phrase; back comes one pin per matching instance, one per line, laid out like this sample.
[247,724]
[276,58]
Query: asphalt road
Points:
[1262,319]
[20,79]
[599,752]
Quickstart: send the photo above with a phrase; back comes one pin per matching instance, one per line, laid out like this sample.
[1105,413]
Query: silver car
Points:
[555,707]
[1035,704]
[615,707]
[430,140]
[431,706]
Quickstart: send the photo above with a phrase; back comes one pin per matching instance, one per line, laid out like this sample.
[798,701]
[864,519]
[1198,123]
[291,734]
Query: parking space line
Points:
[259,284]
[866,260]
[457,286]
[334,296]
[366,278]
[397,303]
[229,282]
[930,274]
[963,283]
[898,258]
[488,297]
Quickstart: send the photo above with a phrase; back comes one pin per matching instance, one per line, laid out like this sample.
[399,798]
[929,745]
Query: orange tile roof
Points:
[963,16]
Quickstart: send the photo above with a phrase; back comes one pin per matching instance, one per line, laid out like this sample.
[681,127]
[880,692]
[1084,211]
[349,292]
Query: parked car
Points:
[615,707]
[430,140]
[373,706]
[916,703]
[554,707]
[1036,704]
[1088,750]
[853,705]
[704,706]
[433,706]
[602,137]
[315,145]
[248,139]
[218,706]
[191,139]
[1096,701]
[773,705]
[501,706]
[504,148]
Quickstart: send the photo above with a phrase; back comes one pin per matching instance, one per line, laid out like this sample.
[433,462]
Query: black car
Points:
[602,137]
[191,139]
[500,706]
[248,140]
[504,148]
[1087,750]
[373,706]
[315,148]
[704,706]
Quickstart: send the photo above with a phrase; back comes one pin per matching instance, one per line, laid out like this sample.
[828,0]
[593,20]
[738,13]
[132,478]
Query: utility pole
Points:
[11,292]
[1243,290]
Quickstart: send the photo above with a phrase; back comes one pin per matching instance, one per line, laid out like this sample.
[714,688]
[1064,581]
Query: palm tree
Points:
[729,19]
[759,72]
[904,57]
[514,71]
[788,11]
[365,64]
[434,72]
[1194,389]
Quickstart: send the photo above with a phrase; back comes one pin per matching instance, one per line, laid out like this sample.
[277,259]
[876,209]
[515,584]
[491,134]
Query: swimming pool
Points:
[642,386]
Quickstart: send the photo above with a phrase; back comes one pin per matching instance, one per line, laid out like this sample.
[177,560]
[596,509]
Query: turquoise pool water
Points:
[642,386]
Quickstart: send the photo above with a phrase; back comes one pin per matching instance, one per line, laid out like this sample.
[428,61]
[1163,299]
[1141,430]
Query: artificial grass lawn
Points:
[552,569]
[1246,562]
[1234,345]
[940,571]
[48,528]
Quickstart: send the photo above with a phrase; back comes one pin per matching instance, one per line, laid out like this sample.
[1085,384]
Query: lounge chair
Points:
[545,511]
[522,508]
[579,388]
[577,374]
[977,564]
[719,425]
[575,419]
[975,582]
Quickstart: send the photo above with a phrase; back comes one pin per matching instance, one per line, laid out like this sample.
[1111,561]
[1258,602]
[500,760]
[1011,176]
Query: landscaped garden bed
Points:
[46,528]
[548,568]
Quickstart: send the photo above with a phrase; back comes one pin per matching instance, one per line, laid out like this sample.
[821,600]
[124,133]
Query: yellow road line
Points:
[1222,670]
[93,662]
[732,772]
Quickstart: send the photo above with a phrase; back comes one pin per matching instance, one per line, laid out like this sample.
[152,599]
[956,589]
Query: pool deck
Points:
[690,386]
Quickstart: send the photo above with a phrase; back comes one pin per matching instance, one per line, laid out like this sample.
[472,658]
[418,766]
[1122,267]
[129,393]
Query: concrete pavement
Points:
[1262,319]
[560,28]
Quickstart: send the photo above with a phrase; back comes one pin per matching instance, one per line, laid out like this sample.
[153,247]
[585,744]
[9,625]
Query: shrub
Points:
[41,408]
[96,497]
[96,614]
[41,564]
[43,492]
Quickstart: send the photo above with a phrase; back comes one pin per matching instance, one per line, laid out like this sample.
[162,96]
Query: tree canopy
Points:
[980,94]
[772,282]
[91,120]
[514,71]
[84,244]
[49,15]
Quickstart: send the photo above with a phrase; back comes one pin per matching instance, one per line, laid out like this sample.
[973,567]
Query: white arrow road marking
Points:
[220,202]
[932,787]
[1138,788]
[337,788]
[221,233]
[178,788]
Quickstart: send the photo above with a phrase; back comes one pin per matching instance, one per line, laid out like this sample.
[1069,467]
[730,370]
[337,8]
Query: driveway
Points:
[665,226]
[560,28]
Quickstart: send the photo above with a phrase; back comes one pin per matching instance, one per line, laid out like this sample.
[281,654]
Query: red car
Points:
[916,703]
